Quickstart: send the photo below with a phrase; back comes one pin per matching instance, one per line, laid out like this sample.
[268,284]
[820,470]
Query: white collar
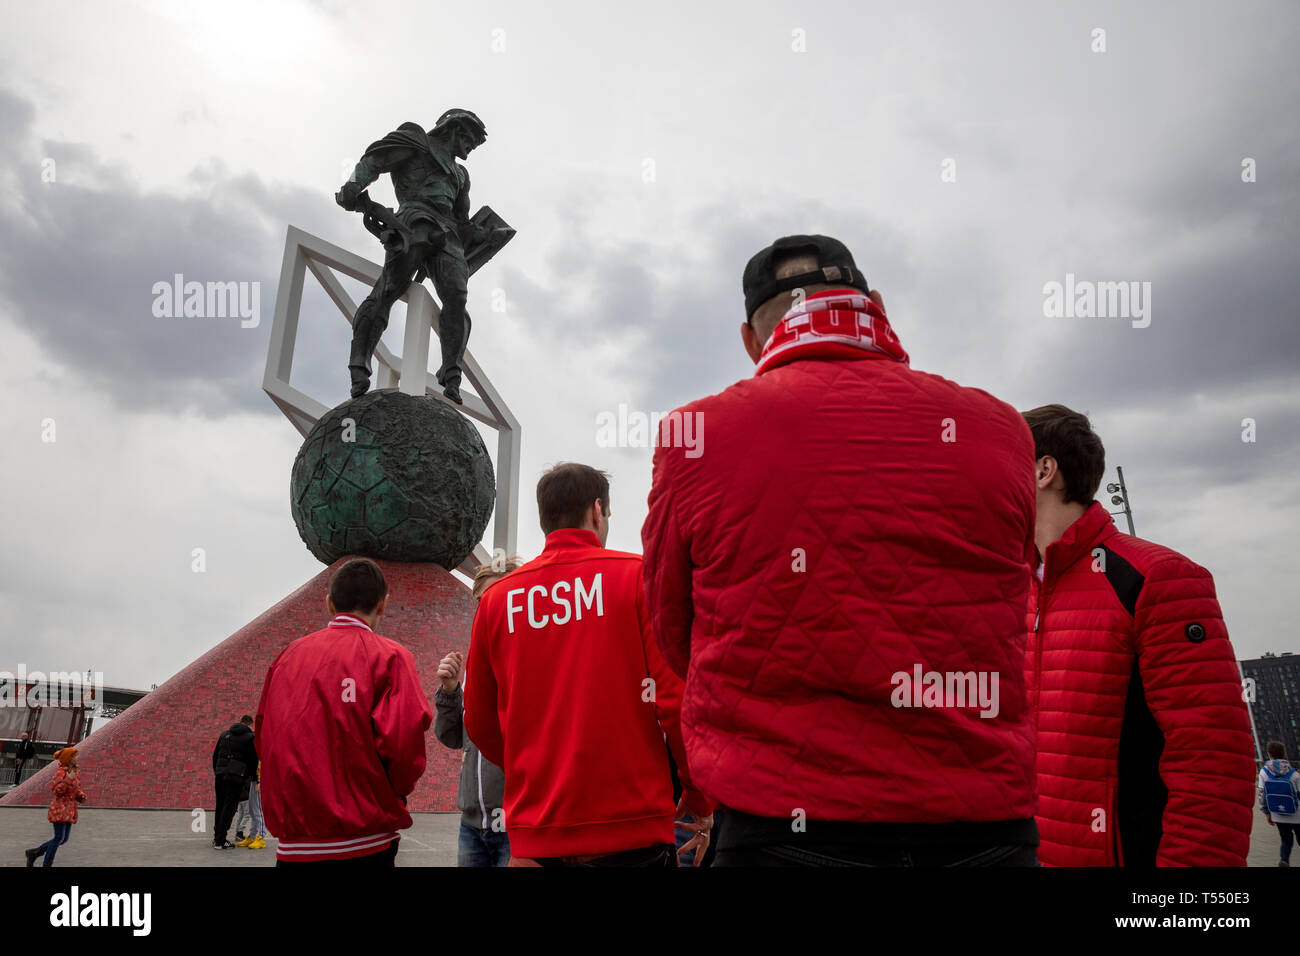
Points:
[347,620]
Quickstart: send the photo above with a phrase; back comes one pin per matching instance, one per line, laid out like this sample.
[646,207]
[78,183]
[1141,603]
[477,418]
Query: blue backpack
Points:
[1279,794]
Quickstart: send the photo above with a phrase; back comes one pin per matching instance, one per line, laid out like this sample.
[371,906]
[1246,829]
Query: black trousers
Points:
[385,857]
[654,856]
[800,854]
[228,790]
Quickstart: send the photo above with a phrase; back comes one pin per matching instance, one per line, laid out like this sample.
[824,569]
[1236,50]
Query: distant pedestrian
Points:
[257,839]
[483,840]
[67,791]
[1279,797]
[234,759]
[26,751]
[242,815]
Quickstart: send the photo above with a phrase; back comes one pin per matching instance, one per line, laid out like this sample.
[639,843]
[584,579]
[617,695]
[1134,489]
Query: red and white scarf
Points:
[833,323]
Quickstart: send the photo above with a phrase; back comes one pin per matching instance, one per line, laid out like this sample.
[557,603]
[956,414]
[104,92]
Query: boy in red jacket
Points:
[566,691]
[340,731]
[1144,746]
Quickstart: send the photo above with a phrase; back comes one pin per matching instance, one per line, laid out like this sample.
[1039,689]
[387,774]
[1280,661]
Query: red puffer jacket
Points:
[846,520]
[1144,745]
[67,791]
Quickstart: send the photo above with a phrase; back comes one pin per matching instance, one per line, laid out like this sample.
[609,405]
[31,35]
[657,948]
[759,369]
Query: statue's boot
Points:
[453,336]
[367,328]
[360,380]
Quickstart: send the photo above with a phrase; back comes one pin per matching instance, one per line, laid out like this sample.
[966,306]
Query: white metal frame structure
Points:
[408,372]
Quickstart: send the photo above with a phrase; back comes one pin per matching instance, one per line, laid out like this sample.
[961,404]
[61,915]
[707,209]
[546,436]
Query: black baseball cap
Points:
[836,266]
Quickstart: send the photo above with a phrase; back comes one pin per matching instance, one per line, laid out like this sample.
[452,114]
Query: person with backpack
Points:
[1279,788]
[234,760]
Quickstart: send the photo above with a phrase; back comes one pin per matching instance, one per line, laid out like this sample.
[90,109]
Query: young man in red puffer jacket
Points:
[836,559]
[1144,745]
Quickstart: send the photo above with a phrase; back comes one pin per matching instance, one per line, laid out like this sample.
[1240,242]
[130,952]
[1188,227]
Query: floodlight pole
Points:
[1123,491]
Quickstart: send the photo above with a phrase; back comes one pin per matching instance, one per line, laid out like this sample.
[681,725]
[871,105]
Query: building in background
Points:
[1272,688]
[54,727]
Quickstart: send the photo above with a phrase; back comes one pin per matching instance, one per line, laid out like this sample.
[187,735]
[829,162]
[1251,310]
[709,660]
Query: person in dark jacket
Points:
[234,760]
[26,751]
[483,840]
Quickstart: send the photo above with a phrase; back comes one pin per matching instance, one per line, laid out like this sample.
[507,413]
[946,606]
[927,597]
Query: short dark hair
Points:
[565,492]
[1067,436]
[1276,749]
[358,586]
[246,720]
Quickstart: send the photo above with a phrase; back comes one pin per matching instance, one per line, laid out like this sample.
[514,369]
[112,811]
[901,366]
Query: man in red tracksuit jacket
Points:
[566,691]
[340,732]
[1145,755]
[837,553]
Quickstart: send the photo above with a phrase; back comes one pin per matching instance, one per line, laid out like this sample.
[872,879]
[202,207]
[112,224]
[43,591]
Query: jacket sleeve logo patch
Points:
[1195,633]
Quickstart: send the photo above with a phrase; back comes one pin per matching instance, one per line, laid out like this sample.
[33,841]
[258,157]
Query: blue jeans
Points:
[61,833]
[482,847]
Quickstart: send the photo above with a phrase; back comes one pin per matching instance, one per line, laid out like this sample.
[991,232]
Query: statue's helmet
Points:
[466,120]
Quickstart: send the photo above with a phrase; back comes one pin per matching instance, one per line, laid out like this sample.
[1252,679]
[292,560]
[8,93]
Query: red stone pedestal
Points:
[158,753]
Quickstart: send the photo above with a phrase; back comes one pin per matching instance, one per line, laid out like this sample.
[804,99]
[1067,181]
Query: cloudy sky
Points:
[642,156]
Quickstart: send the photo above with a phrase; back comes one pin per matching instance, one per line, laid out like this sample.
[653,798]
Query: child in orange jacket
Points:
[67,791]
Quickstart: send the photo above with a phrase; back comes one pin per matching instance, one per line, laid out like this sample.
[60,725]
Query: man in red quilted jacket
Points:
[838,573]
[565,690]
[340,733]
[1144,746]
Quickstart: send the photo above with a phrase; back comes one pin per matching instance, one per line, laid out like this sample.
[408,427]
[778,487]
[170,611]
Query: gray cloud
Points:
[82,254]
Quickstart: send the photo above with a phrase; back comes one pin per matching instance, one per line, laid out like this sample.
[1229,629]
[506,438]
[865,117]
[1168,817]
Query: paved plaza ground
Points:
[164,838]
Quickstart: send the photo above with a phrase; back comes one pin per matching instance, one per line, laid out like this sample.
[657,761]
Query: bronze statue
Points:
[431,233]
